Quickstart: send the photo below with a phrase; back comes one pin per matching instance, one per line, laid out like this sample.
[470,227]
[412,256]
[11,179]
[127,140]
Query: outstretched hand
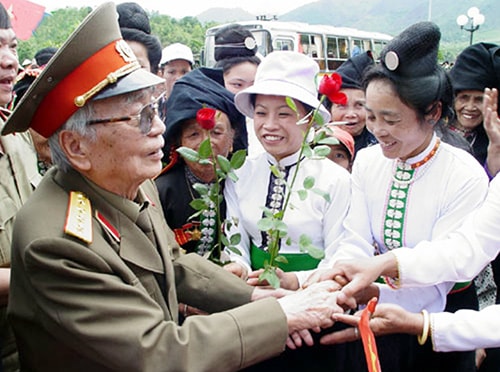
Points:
[387,319]
[356,275]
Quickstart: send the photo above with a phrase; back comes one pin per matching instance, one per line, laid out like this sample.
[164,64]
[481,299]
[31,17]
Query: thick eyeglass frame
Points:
[144,118]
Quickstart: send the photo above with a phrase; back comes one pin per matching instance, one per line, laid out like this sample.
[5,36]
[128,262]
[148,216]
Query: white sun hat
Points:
[176,51]
[284,73]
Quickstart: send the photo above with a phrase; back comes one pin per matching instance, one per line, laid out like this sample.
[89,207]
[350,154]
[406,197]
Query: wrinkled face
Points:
[276,126]
[221,137]
[240,76]
[141,52]
[468,108]
[8,64]
[121,157]
[353,112]
[173,71]
[338,154]
[395,125]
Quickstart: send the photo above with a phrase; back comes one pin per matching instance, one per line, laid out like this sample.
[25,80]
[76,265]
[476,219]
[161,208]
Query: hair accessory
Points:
[391,60]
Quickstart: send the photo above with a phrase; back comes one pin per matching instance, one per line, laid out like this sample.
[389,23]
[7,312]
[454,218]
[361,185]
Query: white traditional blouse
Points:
[398,204]
[314,216]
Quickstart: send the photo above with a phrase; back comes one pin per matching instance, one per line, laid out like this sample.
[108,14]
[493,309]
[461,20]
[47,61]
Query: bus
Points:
[329,46]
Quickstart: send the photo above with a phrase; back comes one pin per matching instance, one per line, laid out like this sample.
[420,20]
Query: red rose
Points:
[330,87]
[205,117]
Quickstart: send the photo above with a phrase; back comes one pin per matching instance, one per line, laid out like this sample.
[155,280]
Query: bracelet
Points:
[425,331]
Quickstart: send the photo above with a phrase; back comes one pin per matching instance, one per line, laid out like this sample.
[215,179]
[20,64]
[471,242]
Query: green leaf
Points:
[232,176]
[322,151]
[304,240]
[282,228]
[281,259]
[265,224]
[224,164]
[188,154]
[277,173]
[318,119]
[201,188]
[309,182]
[302,194]
[291,103]
[234,250]
[328,141]
[224,240]
[307,151]
[271,277]
[313,251]
[198,204]
[235,239]
[205,161]
[238,159]
[288,241]
[323,194]
[205,149]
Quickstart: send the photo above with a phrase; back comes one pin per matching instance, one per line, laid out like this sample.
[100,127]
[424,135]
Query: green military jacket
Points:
[83,302]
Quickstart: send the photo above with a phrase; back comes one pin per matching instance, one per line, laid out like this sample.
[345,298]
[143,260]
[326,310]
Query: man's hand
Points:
[311,308]
[360,274]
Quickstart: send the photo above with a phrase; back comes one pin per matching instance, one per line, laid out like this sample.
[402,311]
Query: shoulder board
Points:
[79,217]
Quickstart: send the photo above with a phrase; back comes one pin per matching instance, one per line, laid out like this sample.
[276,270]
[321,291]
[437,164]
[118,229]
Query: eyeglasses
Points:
[144,118]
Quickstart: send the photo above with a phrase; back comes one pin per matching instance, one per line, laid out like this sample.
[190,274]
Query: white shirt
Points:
[444,190]
[460,257]
[314,216]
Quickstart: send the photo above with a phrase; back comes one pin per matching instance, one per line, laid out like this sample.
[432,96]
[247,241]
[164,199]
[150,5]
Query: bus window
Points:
[356,47]
[377,48]
[332,51]
[366,45]
[283,44]
[264,41]
[343,48]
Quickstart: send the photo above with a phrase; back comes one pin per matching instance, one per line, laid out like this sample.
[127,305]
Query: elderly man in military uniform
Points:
[96,273]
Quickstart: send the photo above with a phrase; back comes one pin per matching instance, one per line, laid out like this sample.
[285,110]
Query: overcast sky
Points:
[179,9]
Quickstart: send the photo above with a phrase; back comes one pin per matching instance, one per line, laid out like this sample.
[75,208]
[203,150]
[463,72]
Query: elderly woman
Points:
[197,89]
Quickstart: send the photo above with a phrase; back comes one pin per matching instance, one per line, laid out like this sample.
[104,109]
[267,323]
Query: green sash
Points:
[296,261]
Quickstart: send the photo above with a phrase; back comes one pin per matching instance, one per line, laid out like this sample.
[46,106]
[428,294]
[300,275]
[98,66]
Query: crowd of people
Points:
[385,189]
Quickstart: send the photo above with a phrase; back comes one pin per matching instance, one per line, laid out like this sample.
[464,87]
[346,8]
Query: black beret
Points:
[44,55]
[413,53]
[477,67]
[234,41]
[203,87]
[132,15]
[352,70]
[4,18]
